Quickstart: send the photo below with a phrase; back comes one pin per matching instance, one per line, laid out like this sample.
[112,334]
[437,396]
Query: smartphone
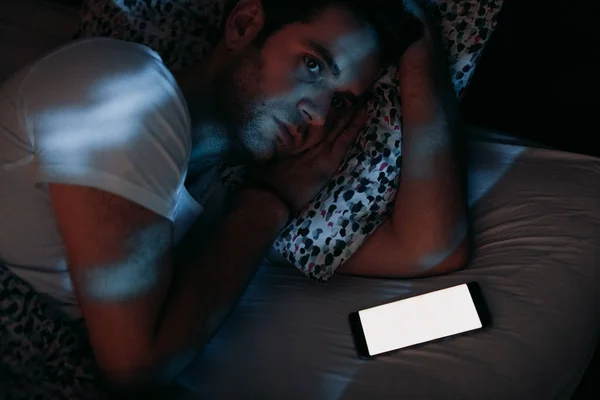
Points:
[419,319]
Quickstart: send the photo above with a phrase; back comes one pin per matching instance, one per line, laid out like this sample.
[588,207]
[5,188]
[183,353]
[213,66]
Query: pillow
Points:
[360,195]
[181,31]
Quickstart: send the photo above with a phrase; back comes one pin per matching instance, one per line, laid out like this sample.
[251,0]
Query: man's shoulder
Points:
[100,51]
[86,67]
[101,74]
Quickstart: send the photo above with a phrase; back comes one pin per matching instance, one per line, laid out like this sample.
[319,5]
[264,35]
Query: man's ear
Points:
[243,24]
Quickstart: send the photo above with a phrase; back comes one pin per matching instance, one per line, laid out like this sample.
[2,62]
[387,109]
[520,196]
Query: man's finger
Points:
[340,125]
[346,138]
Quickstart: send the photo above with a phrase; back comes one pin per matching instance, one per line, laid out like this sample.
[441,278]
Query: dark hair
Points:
[396,29]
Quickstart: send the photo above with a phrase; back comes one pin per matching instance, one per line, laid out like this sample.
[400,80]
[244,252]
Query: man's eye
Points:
[312,65]
[338,102]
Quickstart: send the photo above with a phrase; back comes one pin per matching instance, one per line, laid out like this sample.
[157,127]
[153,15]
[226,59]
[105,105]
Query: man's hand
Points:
[425,62]
[299,179]
[419,9]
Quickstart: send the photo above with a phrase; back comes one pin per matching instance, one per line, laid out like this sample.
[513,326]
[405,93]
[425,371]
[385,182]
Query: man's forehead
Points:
[349,43]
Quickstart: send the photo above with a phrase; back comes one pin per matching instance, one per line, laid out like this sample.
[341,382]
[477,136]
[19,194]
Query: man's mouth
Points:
[284,136]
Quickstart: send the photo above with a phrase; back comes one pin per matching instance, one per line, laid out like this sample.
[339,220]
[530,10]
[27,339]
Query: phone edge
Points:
[360,342]
[480,304]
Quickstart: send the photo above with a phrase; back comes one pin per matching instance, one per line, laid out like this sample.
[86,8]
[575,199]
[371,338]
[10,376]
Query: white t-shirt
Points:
[98,112]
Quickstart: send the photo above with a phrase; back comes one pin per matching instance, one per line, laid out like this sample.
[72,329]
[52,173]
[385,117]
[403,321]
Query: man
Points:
[108,158]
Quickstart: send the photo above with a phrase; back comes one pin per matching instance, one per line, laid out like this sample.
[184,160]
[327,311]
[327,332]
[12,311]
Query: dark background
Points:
[539,76]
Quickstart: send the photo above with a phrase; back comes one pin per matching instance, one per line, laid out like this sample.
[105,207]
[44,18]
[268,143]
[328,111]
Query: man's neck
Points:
[211,141]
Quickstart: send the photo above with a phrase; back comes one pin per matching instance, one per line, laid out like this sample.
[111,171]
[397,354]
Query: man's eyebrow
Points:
[325,54]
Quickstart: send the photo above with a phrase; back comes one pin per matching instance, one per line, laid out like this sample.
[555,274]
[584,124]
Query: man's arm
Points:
[138,314]
[147,319]
[427,232]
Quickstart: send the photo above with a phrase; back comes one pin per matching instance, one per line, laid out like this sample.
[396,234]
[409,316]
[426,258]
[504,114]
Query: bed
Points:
[536,215]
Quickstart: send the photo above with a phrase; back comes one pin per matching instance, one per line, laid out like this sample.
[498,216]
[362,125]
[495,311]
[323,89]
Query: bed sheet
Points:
[537,259]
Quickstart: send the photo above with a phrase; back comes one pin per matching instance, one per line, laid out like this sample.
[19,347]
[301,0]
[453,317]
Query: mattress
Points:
[536,215]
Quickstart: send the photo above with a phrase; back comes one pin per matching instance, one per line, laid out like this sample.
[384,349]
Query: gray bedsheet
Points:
[537,259]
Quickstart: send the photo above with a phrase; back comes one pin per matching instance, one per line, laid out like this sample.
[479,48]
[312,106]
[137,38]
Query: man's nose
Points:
[314,111]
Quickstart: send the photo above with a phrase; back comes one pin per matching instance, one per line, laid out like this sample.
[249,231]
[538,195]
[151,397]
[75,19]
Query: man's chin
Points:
[258,153]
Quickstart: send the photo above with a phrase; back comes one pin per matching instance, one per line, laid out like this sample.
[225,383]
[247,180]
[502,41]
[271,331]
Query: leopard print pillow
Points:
[181,31]
[360,196]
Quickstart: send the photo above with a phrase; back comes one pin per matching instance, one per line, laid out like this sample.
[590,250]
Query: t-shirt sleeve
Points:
[109,115]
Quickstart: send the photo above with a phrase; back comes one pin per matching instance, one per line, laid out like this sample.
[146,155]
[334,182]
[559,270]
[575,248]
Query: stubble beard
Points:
[241,104]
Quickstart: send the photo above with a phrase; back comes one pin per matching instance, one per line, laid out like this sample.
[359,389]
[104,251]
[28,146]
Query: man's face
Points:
[285,96]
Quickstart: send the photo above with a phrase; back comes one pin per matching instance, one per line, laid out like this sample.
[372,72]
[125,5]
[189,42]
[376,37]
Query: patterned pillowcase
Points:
[360,196]
[181,31]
